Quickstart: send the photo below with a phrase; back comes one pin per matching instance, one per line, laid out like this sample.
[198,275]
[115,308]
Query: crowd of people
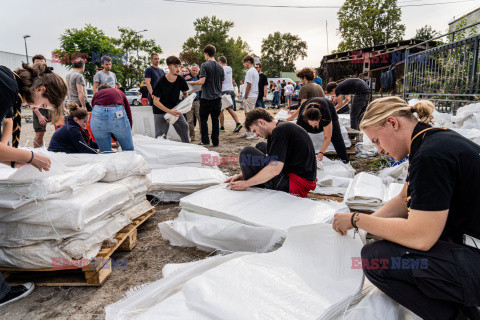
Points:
[430,219]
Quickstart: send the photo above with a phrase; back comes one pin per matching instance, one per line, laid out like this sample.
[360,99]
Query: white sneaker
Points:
[252,136]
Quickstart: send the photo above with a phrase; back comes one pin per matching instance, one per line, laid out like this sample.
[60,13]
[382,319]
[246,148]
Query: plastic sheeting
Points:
[309,277]
[210,234]
[261,207]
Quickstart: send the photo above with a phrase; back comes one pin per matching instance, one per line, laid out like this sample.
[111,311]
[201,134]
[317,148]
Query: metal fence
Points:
[448,75]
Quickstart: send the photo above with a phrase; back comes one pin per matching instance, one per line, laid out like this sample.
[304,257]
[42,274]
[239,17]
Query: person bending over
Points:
[73,137]
[285,163]
[429,260]
[318,115]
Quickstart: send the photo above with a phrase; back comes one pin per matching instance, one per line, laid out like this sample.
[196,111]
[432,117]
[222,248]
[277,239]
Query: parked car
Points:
[132,97]
[89,95]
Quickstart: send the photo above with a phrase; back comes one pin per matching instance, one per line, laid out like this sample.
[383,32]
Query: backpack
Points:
[387,78]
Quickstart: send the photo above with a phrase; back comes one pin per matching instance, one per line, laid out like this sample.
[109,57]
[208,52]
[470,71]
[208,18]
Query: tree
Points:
[138,51]
[215,32]
[426,33]
[91,43]
[368,23]
[280,51]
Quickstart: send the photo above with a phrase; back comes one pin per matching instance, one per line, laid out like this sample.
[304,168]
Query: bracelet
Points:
[321,152]
[12,164]
[353,220]
[33,154]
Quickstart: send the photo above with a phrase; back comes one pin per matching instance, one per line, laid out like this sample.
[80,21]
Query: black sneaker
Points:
[222,129]
[17,293]
[238,127]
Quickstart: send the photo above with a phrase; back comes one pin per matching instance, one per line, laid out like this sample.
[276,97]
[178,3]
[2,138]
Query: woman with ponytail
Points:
[35,86]
[318,115]
[73,136]
[429,260]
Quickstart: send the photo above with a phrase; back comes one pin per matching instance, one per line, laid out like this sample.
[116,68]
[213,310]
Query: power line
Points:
[235,4]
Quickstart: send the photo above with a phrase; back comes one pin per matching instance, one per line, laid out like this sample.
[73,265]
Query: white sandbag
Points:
[393,190]
[344,119]
[396,174]
[261,207]
[309,277]
[185,179]
[442,119]
[335,168]
[365,192]
[162,153]
[468,117]
[139,299]
[366,148]
[226,101]
[332,185]
[193,89]
[210,234]
[282,115]
[183,107]
[317,139]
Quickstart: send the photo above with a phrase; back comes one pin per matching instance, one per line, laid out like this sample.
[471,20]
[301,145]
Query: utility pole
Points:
[326,28]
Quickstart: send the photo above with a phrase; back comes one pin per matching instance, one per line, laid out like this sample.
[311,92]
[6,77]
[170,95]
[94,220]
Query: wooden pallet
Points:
[350,152]
[324,197]
[93,274]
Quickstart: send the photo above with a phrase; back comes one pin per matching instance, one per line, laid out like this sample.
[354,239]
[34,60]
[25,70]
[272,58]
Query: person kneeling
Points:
[73,137]
[285,163]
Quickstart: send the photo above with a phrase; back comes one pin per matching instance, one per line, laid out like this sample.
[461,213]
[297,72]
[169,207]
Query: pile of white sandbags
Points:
[333,177]
[178,169]
[309,277]
[256,219]
[69,211]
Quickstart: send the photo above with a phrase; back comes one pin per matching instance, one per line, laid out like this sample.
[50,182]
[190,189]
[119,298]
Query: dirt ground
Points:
[145,261]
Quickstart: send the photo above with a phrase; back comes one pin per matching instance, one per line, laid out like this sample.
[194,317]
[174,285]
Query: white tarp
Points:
[210,234]
[309,277]
[261,207]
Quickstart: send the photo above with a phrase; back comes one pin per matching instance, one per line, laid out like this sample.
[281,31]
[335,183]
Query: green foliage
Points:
[132,43]
[280,51]
[215,31]
[463,34]
[91,43]
[368,23]
[426,33]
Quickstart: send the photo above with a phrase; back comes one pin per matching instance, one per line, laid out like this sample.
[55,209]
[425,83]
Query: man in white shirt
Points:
[227,88]
[251,88]
[289,93]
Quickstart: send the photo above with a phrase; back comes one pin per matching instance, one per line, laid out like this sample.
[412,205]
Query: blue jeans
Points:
[260,104]
[276,99]
[105,123]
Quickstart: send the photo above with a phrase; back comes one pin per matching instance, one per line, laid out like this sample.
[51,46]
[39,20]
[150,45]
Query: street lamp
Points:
[25,38]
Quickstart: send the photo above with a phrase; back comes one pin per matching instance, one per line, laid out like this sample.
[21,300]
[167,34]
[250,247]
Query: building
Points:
[369,63]
[465,20]
[14,61]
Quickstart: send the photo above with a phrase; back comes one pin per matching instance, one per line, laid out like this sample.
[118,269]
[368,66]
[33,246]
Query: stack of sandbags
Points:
[309,277]
[69,211]
[366,148]
[256,219]
[178,169]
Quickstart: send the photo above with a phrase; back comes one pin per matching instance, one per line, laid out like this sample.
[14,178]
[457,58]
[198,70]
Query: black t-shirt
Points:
[262,82]
[8,92]
[292,145]
[444,173]
[154,74]
[214,75]
[169,92]
[352,86]
[327,110]
[144,92]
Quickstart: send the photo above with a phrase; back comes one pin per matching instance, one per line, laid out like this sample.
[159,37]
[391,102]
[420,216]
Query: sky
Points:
[171,23]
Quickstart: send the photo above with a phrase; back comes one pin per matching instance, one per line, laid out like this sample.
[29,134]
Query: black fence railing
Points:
[448,75]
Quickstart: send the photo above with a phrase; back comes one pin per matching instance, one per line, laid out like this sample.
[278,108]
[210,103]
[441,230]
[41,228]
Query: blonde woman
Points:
[423,263]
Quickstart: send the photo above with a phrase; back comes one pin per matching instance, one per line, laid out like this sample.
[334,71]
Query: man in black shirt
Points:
[166,96]
[153,74]
[361,92]
[262,87]
[285,163]
[211,78]
[429,260]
